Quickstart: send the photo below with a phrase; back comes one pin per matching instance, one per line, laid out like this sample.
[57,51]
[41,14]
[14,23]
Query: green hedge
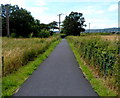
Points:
[99,53]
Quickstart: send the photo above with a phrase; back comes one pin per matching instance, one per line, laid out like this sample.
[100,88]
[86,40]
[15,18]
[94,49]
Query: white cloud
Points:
[113,7]
[92,10]
[99,23]
[40,2]
[91,13]
[21,3]
[37,10]
[100,12]
[82,0]
[47,18]
[102,26]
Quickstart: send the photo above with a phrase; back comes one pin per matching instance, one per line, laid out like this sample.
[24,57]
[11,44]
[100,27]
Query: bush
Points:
[98,52]
[13,35]
[63,35]
[44,34]
[51,33]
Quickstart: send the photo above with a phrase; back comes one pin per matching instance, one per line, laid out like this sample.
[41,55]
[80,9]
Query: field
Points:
[18,52]
[101,53]
[106,36]
[110,37]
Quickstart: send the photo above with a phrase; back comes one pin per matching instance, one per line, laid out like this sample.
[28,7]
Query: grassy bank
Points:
[83,53]
[18,52]
[13,81]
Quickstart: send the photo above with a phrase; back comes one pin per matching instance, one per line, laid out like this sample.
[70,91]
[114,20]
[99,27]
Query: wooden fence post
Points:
[2,65]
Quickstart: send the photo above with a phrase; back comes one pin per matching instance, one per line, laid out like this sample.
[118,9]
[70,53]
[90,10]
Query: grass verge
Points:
[19,51]
[13,81]
[96,83]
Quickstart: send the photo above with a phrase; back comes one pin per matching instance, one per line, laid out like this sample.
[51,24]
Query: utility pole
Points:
[89,27]
[59,20]
[119,20]
[0,21]
[7,20]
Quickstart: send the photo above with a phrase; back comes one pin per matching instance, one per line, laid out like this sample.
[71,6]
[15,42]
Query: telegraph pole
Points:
[89,27]
[0,21]
[7,20]
[59,20]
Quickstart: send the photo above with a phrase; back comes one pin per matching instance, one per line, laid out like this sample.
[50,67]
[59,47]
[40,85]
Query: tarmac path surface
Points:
[58,75]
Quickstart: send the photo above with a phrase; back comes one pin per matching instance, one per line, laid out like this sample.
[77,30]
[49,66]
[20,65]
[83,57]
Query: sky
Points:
[99,13]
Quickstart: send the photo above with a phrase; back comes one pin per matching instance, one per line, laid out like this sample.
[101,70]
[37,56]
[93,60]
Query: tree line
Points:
[23,24]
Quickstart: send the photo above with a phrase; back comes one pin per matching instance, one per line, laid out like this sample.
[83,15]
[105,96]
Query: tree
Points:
[22,23]
[53,25]
[20,20]
[44,26]
[36,27]
[73,24]
[4,15]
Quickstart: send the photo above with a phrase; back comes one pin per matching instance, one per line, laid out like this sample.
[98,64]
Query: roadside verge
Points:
[96,83]
[13,81]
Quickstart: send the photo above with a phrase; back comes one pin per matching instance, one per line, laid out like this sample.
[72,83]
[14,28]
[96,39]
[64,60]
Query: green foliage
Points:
[20,20]
[62,35]
[53,25]
[97,84]
[73,24]
[13,35]
[99,53]
[44,34]
[22,23]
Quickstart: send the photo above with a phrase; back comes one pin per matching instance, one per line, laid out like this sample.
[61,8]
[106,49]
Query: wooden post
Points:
[2,65]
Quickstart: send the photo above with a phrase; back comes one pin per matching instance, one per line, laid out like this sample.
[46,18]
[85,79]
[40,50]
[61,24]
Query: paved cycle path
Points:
[58,75]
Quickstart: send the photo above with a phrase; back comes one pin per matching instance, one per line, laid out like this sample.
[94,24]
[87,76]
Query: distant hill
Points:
[103,30]
[56,31]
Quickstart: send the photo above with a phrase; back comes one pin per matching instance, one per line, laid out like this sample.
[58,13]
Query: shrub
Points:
[44,34]
[51,33]
[13,35]
[98,52]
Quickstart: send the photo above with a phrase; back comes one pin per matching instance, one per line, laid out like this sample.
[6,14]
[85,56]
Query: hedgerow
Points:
[99,53]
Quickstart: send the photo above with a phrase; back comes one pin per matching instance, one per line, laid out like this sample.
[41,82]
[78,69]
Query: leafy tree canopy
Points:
[20,20]
[53,25]
[22,23]
[73,24]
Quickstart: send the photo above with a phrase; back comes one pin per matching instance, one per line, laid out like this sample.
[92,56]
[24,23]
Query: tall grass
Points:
[18,52]
[12,82]
[99,53]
